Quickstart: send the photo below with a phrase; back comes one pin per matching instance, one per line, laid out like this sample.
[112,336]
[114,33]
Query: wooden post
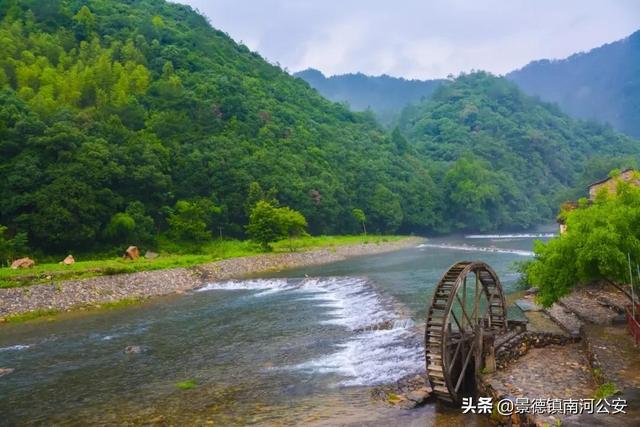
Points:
[489,353]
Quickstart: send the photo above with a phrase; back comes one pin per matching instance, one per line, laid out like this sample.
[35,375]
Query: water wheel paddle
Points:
[459,322]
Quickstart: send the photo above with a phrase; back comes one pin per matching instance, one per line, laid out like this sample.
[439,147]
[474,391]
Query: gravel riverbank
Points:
[72,294]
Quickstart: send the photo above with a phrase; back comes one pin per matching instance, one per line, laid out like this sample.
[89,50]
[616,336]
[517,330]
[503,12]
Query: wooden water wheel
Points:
[460,323]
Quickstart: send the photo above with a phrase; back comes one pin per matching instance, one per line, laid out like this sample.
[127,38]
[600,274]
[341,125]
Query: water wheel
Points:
[461,322]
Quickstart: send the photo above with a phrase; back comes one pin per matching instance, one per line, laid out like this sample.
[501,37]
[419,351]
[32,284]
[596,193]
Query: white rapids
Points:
[511,236]
[471,248]
[383,346]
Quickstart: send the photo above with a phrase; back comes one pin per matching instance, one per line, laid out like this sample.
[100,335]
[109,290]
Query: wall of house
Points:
[611,184]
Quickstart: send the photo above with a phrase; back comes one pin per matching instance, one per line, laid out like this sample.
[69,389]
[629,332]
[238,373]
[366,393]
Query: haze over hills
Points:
[120,121]
[602,84]
[386,96]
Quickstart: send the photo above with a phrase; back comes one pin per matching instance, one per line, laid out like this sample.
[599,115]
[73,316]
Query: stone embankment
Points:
[73,294]
[593,350]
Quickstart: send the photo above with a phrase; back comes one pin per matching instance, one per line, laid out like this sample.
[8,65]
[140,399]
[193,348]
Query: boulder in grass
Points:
[23,263]
[150,255]
[132,253]
[69,260]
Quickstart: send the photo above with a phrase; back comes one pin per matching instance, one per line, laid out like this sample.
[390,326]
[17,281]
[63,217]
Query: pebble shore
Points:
[68,295]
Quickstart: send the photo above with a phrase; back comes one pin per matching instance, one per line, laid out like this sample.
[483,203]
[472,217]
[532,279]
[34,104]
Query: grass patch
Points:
[30,315]
[606,390]
[172,255]
[186,385]
[126,302]
[38,314]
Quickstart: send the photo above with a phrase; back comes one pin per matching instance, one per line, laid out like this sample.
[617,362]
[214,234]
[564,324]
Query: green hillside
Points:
[112,112]
[386,96]
[602,84]
[137,122]
[504,159]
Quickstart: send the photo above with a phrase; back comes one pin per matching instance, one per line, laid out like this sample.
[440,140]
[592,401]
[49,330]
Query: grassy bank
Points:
[172,257]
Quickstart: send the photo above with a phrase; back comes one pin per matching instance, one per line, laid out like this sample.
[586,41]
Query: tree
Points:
[292,222]
[11,248]
[596,246]
[359,215]
[191,220]
[264,226]
[268,224]
[131,226]
[385,212]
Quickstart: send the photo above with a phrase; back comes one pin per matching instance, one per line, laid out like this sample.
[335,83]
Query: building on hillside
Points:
[560,219]
[609,183]
[628,175]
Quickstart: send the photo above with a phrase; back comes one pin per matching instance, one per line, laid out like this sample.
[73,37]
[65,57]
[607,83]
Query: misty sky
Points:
[419,38]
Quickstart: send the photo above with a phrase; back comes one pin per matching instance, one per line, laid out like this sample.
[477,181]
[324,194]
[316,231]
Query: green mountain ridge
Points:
[386,96]
[602,84]
[129,107]
[119,120]
[506,157]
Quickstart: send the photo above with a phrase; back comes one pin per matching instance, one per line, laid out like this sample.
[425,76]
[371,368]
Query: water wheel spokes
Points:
[460,315]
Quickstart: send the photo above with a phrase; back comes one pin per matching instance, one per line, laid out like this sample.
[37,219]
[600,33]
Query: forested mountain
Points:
[602,84]
[116,117]
[124,121]
[503,158]
[386,96]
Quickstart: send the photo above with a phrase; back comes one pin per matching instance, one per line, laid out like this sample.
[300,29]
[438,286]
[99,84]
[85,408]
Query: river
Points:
[297,347]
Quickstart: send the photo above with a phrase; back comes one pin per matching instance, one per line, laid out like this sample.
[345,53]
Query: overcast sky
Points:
[419,38]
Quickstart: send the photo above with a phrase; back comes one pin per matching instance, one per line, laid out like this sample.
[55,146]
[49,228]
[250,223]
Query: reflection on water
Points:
[300,347]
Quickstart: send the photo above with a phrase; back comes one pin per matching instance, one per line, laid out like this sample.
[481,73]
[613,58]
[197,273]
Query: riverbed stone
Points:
[93,291]
[135,349]
[5,371]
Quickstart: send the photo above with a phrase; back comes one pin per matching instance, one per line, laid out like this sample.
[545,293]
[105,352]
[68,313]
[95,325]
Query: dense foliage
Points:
[386,96]
[602,84]
[269,223]
[504,159]
[596,246]
[123,122]
[117,119]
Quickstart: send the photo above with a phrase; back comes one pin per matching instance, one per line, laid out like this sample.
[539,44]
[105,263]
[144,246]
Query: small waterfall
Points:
[383,347]
[511,236]
[475,249]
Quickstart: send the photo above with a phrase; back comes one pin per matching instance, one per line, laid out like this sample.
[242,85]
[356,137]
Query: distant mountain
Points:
[386,96]
[602,84]
[503,159]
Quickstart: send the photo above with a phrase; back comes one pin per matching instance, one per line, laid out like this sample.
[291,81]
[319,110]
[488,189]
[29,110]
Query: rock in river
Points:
[135,349]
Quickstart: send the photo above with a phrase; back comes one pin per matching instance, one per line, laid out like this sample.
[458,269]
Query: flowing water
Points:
[304,346]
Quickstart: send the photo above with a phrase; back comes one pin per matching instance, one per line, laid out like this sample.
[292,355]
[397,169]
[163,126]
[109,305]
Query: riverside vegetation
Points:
[211,251]
[138,123]
[601,238]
